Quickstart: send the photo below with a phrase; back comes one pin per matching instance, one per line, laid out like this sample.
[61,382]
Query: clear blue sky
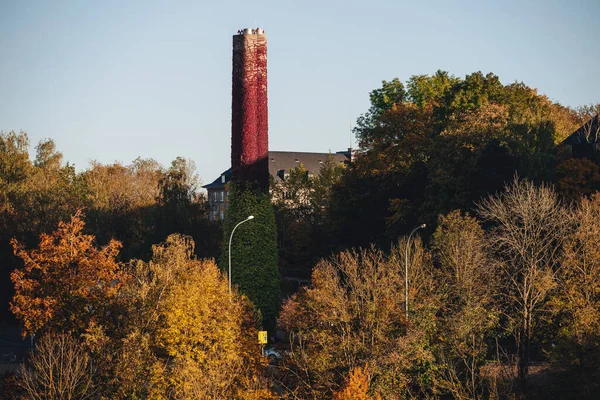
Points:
[114,80]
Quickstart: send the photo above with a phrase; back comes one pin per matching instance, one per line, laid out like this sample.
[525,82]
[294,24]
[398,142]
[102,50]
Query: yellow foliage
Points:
[356,387]
[202,339]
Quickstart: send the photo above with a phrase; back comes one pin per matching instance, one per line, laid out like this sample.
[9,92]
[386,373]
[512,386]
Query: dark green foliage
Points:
[254,260]
[441,145]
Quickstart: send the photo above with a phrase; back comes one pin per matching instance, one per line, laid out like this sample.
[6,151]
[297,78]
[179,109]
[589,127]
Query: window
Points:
[215,197]
[222,215]
[222,196]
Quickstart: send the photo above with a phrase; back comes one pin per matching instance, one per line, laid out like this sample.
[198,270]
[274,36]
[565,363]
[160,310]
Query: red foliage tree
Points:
[68,282]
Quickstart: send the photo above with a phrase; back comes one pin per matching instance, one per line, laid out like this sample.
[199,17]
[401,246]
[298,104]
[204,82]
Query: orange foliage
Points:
[67,283]
[356,387]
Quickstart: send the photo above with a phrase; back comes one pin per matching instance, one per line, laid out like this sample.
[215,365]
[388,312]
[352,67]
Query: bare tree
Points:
[529,227]
[590,116]
[467,280]
[59,369]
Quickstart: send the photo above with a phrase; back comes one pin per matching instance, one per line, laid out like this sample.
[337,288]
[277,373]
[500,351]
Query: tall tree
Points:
[467,285]
[529,226]
[576,303]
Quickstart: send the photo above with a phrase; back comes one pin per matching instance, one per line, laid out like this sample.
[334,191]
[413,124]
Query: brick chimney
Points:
[249,110]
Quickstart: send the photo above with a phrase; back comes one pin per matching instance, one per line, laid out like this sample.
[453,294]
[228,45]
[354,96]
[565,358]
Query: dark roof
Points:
[587,133]
[218,183]
[287,160]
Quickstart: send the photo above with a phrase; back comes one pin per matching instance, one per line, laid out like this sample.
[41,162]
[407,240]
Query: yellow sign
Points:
[262,337]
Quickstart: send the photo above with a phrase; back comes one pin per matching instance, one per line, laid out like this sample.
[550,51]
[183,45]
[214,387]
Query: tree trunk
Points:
[523,353]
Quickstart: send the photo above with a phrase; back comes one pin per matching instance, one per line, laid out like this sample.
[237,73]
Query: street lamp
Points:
[406,267]
[231,237]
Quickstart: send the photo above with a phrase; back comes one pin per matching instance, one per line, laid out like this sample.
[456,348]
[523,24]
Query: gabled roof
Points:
[587,133]
[218,183]
[287,160]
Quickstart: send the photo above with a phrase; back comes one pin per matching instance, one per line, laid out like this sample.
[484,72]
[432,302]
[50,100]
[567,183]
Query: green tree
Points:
[291,196]
[384,98]
[424,90]
[330,174]
[34,197]
[254,256]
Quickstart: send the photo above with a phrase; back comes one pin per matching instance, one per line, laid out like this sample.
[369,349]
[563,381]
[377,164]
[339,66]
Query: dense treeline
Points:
[510,311]
[436,144]
[112,268]
[441,143]
[138,204]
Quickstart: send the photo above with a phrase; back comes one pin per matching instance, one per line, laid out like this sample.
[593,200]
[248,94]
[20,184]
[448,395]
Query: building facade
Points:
[280,164]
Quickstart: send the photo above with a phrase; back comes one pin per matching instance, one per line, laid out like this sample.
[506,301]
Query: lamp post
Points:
[406,267]
[231,237]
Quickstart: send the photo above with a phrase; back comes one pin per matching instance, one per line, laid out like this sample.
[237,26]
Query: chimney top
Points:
[249,31]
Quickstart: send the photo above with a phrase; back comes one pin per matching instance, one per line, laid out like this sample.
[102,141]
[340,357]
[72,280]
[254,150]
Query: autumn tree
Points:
[443,144]
[34,197]
[183,209]
[357,386]
[353,314]
[142,203]
[14,163]
[186,336]
[576,304]
[467,279]
[528,228]
[67,283]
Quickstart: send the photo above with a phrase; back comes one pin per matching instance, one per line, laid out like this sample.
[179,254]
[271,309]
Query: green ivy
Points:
[254,259]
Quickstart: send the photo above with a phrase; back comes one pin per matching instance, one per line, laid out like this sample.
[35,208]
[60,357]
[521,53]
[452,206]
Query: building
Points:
[252,164]
[585,141]
[280,164]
